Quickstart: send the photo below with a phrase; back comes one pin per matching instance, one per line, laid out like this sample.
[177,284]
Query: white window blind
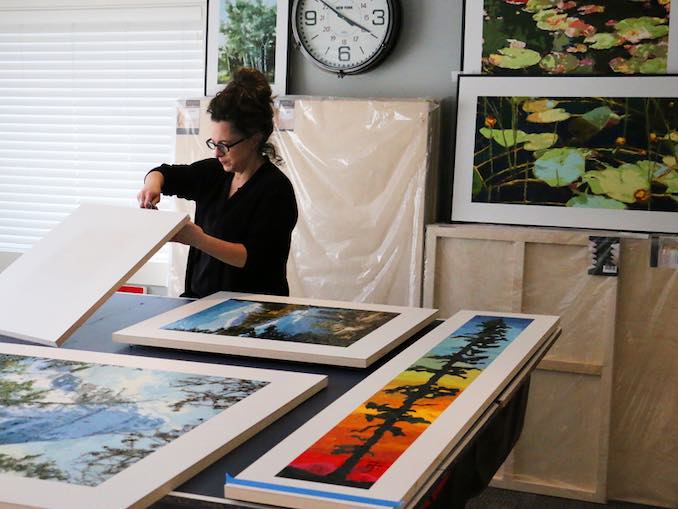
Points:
[87,103]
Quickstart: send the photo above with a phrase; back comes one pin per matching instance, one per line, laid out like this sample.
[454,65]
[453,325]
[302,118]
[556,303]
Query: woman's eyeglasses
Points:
[221,147]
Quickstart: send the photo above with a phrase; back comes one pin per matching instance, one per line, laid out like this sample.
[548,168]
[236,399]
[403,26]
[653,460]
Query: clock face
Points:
[346,36]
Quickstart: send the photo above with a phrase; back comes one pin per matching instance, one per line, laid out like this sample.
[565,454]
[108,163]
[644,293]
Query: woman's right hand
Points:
[149,196]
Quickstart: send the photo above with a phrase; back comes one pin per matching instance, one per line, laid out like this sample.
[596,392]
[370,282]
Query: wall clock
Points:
[346,36]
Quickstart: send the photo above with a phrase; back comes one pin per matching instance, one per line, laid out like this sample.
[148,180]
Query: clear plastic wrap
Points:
[601,421]
[361,170]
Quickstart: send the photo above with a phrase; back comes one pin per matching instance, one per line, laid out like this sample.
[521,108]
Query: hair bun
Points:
[253,81]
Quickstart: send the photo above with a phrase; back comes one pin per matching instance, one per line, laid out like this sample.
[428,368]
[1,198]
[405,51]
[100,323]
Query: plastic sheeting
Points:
[601,421]
[359,168]
[361,173]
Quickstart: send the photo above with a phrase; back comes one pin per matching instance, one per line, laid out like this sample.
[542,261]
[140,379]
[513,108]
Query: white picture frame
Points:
[473,88]
[474,13]
[49,291]
[154,475]
[260,483]
[360,354]
[215,43]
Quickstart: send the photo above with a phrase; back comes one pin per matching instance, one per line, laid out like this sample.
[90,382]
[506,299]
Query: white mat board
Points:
[402,479]
[361,353]
[52,289]
[149,478]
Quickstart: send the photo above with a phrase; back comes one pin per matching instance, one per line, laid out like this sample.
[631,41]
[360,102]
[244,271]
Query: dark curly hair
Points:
[247,103]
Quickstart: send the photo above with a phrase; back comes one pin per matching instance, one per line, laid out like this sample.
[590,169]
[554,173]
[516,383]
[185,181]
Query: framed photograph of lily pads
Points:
[566,37]
[287,328]
[247,33]
[88,429]
[588,152]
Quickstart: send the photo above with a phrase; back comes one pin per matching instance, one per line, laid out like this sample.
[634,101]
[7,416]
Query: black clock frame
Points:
[384,50]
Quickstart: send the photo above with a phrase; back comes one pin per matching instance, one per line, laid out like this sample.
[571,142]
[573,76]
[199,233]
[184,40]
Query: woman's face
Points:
[239,157]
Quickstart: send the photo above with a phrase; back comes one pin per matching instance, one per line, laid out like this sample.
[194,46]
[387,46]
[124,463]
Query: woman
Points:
[245,206]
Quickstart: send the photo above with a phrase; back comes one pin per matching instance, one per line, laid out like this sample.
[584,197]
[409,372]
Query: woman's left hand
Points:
[190,234]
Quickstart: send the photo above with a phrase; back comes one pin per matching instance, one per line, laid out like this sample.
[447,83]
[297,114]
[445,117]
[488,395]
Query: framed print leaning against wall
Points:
[553,37]
[587,152]
[290,328]
[247,33]
[85,429]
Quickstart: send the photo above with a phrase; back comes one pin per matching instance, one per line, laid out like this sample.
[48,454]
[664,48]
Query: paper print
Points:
[284,322]
[363,446]
[555,37]
[82,423]
[593,152]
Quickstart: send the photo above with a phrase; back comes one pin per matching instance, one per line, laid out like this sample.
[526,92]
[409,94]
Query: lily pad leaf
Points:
[626,65]
[628,183]
[505,137]
[515,58]
[637,29]
[540,141]
[539,105]
[560,167]
[539,5]
[604,40]
[591,123]
[594,202]
[559,63]
[653,66]
[548,116]
[649,50]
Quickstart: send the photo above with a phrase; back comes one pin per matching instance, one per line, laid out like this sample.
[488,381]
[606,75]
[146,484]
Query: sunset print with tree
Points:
[363,446]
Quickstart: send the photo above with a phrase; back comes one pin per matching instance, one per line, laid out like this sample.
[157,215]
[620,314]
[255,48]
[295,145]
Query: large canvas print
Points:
[557,37]
[584,152]
[247,33]
[373,445]
[311,330]
[78,424]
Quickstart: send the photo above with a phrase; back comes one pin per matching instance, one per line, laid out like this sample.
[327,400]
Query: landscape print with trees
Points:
[82,423]
[364,445]
[247,37]
[284,322]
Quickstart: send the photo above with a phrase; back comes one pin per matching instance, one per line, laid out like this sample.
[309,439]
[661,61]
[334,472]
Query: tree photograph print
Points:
[365,444]
[247,37]
[594,152]
[82,423]
[299,323]
[556,37]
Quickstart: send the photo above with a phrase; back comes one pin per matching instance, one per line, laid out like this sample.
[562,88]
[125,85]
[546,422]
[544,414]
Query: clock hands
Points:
[346,18]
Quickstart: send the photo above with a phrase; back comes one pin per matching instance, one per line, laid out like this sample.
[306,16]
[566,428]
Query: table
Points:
[465,473]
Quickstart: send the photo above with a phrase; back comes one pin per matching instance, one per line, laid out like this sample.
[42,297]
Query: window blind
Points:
[88,96]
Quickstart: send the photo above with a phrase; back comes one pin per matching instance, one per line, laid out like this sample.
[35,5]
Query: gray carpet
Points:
[493,498]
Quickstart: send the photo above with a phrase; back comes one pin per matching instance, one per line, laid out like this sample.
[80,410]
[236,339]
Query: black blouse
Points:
[260,215]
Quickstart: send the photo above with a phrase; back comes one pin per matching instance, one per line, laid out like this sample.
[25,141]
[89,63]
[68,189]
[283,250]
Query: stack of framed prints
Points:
[296,329]
[590,152]
[374,446]
[66,276]
[84,429]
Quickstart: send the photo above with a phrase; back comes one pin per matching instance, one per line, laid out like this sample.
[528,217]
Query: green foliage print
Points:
[612,153]
[248,29]
[555,37]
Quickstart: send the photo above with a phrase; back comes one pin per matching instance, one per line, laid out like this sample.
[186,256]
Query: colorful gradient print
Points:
[364,445]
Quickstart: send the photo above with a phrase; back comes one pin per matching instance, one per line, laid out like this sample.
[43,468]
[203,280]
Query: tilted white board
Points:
[397,426]
[52,289]
[110,431]
[215,324]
